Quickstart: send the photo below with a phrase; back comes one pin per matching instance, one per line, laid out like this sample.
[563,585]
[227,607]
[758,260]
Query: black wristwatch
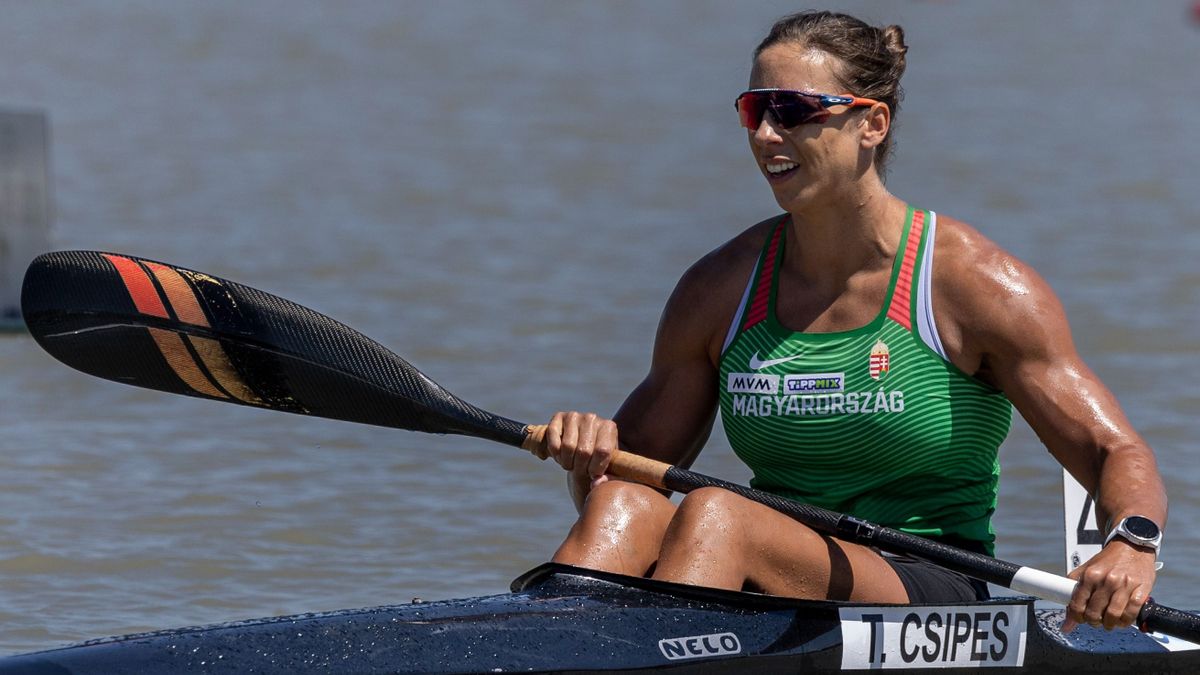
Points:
[1138,530]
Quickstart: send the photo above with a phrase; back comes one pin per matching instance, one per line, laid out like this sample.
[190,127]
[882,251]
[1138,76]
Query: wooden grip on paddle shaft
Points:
[534,433]
[624,464]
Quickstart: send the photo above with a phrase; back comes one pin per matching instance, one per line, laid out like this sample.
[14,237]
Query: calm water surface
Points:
[504,193]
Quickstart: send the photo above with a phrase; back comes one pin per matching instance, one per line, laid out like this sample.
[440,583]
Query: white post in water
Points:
[24,203]
[1083,535]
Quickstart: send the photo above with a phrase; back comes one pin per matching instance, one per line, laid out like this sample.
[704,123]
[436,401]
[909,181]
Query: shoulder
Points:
[727,262]
[971,269]
[987,300]
[960,248]
[708,293]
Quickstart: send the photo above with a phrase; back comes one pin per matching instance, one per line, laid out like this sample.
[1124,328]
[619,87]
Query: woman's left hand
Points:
[1112,588]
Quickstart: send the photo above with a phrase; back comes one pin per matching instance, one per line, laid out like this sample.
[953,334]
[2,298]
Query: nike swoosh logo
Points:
[756,364]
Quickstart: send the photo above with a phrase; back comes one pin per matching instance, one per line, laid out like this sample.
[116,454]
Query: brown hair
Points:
[873,57]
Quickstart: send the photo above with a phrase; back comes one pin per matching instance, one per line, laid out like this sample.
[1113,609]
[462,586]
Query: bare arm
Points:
[670,414]
[1010,330]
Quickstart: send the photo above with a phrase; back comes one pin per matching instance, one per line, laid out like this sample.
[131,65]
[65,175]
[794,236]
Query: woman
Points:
[853,370]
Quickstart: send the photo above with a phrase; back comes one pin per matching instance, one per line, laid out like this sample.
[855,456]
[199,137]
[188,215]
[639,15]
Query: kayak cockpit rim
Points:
[549,570]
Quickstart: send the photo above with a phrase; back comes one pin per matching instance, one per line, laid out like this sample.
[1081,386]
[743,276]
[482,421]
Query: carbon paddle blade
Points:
[163,327]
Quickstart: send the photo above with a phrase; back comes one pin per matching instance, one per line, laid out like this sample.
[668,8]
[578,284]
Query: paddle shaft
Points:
[1152,618]
[154,325]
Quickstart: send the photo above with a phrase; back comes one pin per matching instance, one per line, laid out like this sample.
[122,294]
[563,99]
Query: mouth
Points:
[780,170]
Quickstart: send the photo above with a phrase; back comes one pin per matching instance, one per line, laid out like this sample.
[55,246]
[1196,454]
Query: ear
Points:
[875,125]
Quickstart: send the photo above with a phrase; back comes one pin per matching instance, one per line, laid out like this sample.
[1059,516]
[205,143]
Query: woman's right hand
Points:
[582,443]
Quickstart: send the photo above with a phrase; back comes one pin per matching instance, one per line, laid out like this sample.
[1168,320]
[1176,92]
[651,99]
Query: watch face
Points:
[1140,527]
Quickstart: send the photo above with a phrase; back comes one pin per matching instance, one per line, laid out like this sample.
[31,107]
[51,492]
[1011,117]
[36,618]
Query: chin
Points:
[795,196]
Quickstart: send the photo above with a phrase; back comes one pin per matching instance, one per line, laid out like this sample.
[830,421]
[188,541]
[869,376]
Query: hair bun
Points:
[893,38]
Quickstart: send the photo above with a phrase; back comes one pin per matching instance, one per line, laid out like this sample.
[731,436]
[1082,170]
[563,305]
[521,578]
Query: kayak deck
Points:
[564,619]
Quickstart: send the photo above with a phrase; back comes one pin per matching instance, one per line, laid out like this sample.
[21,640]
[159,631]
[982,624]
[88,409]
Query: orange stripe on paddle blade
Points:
[140,288]
[183,300]
[180,359]
[217,361]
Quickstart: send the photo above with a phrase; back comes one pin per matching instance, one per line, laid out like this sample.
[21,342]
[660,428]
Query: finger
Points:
[598,481]
[606,443]
[1101,587]
[1077,606]
[1071,616]
[553,436]
[570,440]
[1114,613]
[586,444]
[1137,599]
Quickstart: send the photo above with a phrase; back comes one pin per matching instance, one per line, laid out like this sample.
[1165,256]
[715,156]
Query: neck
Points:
[855,231]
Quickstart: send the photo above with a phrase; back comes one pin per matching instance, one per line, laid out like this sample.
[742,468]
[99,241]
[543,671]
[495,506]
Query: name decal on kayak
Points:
[696,646]
[954,636]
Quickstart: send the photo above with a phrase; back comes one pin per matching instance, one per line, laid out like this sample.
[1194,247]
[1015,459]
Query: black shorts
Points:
[933,584]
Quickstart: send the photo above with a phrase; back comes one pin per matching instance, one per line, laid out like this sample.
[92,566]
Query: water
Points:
[505,193]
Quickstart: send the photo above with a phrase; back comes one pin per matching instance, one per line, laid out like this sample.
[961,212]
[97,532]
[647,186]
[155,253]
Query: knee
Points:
[622,498]
[710,505]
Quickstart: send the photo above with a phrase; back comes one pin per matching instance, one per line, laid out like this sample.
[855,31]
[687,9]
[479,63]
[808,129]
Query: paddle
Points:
[163,327]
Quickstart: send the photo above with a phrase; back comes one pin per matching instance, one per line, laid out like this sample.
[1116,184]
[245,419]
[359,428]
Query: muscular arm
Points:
[1082,425]
[1008,328]
[670,414]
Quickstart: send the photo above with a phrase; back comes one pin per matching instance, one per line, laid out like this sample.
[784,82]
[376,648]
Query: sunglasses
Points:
[791,108]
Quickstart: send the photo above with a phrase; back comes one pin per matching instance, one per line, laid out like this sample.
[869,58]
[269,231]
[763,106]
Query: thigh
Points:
[794,560]
[721,539]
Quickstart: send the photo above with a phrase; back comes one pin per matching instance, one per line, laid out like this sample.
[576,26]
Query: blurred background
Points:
[504,193]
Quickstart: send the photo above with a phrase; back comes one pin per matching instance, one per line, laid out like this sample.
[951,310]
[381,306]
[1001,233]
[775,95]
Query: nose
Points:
[766,133]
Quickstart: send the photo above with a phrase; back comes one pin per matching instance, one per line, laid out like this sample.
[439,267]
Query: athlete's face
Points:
[807,163]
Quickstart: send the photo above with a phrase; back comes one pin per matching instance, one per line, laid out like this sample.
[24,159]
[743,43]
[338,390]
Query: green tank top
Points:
[874,422]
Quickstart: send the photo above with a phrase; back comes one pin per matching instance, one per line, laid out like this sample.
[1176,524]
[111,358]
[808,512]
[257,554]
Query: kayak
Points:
[560,618]
[167,328]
